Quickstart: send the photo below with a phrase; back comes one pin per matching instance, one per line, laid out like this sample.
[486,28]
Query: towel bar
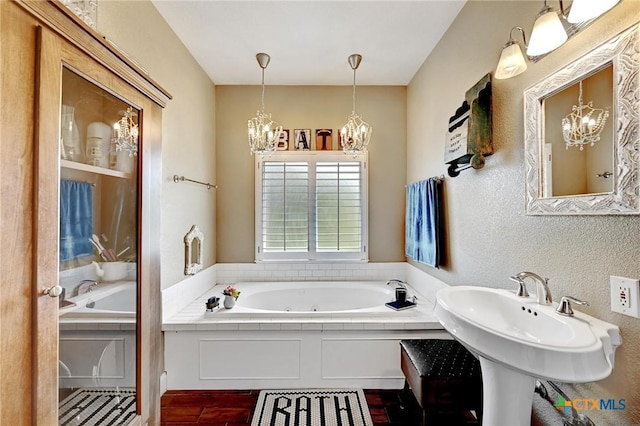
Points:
[177,179]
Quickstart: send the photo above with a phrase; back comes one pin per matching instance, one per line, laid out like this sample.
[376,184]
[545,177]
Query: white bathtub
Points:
[319,298]
[107,300]
[295,334]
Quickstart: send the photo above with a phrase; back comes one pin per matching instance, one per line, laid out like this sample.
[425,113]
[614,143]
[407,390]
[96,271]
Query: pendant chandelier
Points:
[355,135]
[584,124]
[263,132]
[126,133]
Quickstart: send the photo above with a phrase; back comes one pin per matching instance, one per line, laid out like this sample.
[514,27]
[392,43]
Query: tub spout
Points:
[84,286]
[398,282]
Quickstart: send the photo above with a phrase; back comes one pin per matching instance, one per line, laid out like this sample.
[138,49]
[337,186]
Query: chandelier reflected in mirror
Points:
[126,133]
[355,135]
[263,131]
[584,124]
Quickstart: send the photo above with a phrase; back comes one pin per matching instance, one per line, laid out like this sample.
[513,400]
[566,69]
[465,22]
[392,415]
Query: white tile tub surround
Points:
[178,296]
[208,351]
[309,271]
[425,284]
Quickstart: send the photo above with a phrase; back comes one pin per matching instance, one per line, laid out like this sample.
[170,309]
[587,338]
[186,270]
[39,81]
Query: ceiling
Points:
[309,41]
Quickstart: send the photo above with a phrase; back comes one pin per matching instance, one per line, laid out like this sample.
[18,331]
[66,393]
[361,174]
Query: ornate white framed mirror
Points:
[581,134]
[193,251]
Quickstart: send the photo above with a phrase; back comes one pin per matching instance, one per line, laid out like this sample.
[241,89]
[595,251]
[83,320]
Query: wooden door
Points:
[38,39]
[17,74]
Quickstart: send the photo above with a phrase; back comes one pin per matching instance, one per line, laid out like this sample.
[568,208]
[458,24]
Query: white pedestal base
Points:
[507,395]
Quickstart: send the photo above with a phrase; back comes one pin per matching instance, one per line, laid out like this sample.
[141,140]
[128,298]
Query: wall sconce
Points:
[583,10]
[512,60]
[548,34]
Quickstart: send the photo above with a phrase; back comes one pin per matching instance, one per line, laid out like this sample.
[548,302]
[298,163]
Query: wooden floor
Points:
[235,408]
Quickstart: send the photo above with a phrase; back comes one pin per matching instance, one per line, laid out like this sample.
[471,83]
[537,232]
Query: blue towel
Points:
[422,222]
[76,219]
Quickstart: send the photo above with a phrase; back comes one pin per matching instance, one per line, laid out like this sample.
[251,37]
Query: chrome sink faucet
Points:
[543,294]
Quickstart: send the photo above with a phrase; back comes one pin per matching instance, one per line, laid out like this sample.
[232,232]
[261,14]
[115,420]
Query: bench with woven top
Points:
[445,380]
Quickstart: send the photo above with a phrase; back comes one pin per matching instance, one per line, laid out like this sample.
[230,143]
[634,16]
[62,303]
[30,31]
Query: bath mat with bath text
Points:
[312,407]
[98,406]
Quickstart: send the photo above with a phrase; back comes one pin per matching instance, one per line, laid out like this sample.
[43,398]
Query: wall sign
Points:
[469,134]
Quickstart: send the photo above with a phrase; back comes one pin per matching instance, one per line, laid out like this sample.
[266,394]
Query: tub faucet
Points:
[398,282]
[543,294]
[85,286]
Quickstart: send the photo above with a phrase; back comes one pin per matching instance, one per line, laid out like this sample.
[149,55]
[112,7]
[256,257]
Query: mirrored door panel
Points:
[98,254]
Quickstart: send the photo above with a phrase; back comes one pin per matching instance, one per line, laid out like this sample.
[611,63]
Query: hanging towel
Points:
[422,222]
[76,219]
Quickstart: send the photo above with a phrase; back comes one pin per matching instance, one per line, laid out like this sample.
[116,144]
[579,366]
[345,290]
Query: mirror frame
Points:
[623,52]
[191,265]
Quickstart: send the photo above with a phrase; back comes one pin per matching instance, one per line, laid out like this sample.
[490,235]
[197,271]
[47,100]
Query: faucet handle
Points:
[564,307]
[522,288]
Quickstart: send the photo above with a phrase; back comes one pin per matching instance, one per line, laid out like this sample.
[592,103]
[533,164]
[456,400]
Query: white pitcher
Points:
[111,271]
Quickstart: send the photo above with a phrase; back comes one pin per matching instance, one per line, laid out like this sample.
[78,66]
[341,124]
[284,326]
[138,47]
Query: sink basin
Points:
[518,341]
[533,338]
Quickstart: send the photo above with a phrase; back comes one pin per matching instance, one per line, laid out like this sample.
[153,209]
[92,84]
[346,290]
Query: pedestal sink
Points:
[518,341]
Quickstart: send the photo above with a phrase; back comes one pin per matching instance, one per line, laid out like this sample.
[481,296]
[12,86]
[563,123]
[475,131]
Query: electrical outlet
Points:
[624,296]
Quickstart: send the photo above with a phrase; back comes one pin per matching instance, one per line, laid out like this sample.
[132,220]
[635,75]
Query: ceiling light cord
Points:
[353,111]
[262,90]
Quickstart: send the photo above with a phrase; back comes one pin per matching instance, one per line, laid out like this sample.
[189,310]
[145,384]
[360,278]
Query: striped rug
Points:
[98,406]
[312,407]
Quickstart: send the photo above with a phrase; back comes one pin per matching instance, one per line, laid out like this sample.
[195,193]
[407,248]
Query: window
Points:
[311,206]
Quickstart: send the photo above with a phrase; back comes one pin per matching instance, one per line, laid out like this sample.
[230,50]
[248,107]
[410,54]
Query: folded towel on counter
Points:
[76,219]
[422,222]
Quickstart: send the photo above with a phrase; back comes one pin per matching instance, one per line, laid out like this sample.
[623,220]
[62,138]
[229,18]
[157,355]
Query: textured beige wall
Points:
[311,107]
[188,137]
[489,235]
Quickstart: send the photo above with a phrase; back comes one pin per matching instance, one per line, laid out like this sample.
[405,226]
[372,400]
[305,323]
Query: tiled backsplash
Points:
[69,279]
[308,271]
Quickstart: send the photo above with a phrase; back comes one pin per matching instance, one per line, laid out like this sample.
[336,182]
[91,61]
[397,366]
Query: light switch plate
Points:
[624,296]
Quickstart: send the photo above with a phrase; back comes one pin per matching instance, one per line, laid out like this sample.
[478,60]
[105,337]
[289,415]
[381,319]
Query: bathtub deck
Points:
[193,317]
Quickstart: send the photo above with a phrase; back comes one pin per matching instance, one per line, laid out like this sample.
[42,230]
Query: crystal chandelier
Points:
[355,135]
[126,133]
[584,124]
[263,132]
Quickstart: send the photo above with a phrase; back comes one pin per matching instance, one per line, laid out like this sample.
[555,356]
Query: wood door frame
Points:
[55,54]
[45,231]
